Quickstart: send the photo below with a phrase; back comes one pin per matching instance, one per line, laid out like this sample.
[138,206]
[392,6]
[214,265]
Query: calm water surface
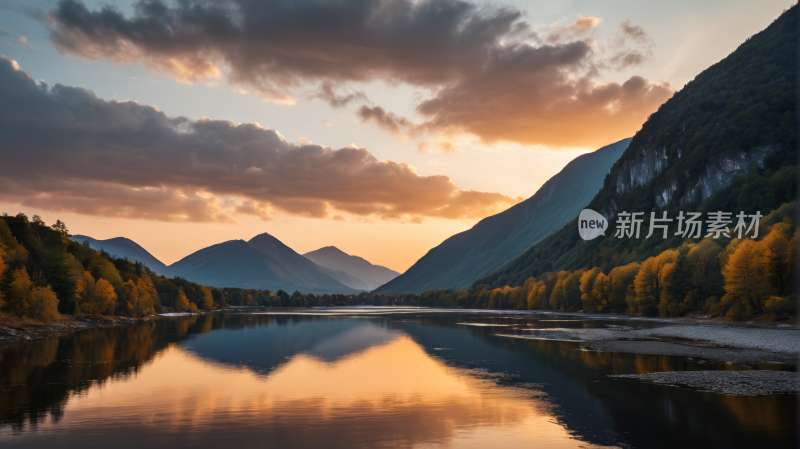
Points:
[362,378]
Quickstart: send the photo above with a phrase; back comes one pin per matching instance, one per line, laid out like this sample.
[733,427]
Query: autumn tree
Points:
[622,294]
[590,302]
[747,284]
[25,299]
[208,300]
[19,293]
[601,291]
[780,255]
[95,298]
[182,303]
[566,294]
[650,281]
[537,295]
[147,296]
[43,304]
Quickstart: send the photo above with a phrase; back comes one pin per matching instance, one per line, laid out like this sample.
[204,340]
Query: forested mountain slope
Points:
[121,247]
[466,256]
[725,142]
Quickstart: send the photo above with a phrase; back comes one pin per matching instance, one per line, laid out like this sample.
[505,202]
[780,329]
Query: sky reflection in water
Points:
[325,381]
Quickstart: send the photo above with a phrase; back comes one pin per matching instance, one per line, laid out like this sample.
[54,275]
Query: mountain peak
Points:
[125,247]
[263,236]
[335,259]
[329,250]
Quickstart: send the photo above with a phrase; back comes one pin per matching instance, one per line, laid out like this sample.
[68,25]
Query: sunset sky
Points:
[381,128]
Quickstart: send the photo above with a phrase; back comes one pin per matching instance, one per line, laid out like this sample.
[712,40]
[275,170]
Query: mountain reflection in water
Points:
[281,380]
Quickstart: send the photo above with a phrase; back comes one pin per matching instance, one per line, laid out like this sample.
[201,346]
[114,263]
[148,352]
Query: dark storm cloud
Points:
[462,54]
[66,149]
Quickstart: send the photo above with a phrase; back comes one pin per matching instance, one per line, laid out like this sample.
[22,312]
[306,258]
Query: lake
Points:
[368,377]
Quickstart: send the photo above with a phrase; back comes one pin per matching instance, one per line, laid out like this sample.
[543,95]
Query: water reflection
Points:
[400,381]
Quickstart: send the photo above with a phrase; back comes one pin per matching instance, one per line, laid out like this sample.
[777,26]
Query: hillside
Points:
[725,142]
[369,276]
[263,262]
[495,240]
[121,247]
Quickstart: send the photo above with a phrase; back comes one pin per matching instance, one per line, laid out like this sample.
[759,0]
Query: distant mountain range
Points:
[370,276]
[263,262]
[120,247]
[495,240]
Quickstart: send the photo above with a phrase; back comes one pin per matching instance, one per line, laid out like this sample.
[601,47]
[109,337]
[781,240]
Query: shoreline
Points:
[708,338]
[29,330]
[14,330]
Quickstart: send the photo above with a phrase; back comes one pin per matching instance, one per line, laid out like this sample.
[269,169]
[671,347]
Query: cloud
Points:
[635,32]
[327,123]
[66,149]
[327,92]
[546,106]
[571,31]
[483,58]
[397,126]
[23,42]
[427,147]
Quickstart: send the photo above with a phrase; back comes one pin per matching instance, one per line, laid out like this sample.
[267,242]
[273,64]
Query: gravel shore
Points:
[49,330]
[739,383]
[783,341]
[738,356]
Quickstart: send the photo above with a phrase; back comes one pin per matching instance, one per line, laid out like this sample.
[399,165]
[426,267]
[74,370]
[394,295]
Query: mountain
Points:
[346,279]
[263,262]
[369,275]
[495,240]
[725,142]
[120,247]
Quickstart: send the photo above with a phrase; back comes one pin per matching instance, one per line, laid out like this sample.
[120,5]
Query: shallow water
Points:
[371,377]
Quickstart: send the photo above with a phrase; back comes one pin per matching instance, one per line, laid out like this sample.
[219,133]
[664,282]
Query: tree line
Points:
[737,278]
[43,274]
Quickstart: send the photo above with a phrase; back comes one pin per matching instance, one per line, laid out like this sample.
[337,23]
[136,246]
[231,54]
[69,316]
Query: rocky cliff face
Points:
[637,171]
[647,162]
[720,172]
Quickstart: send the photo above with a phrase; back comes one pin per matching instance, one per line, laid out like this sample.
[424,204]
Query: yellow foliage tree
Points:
[590,301]
[601,290]
[44,304]
[746,273]
[140,296]
[208,299]
[650,281]
[621,292]
[537,297]
[147,296]
[182,302]
[95,298]
[19,293]
[780,266]
[130,296]
[40,303]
